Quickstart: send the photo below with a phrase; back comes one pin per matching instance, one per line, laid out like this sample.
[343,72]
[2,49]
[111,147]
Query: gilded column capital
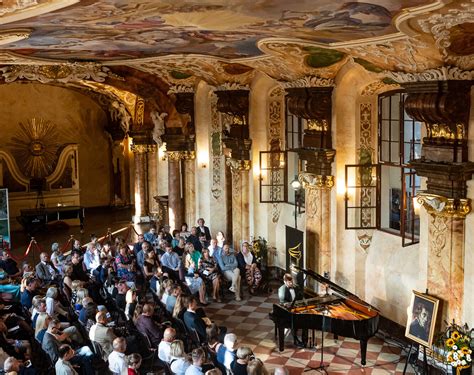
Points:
[180,155]
[239,165]
[437,205]
[143,148]
[311,180]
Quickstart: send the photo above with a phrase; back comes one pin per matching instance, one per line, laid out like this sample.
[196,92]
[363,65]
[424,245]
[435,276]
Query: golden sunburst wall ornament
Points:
[35,147]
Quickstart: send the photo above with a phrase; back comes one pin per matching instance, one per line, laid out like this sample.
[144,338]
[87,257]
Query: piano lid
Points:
[338,289]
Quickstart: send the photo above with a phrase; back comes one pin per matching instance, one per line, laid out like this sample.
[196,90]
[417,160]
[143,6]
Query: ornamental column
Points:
[234,104]
[443,106]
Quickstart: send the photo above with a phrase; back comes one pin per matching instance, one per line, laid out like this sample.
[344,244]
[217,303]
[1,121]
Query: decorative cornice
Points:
[309,81]
[239,165]
[177,89]
[64,73]
[311,180]
[227,86]
[180,155]
[439,74]
[378,87]
[437,205]
[12,36]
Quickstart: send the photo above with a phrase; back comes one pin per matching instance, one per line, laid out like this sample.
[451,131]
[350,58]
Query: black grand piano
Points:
[35,219]
[341,313]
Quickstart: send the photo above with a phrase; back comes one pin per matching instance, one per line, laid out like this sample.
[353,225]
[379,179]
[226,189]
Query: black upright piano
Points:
[341,313]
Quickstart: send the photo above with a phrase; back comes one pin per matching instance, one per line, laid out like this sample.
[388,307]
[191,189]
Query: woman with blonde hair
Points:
[42,323]
[179,360]
[244,355]
[81,293]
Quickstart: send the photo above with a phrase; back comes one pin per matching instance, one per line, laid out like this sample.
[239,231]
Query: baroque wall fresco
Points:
[113,29]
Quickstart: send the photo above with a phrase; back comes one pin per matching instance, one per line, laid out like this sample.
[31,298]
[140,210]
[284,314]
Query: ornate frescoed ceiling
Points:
[220,42]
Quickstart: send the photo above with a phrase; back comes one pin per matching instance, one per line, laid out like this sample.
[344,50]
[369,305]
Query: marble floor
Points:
[249,321]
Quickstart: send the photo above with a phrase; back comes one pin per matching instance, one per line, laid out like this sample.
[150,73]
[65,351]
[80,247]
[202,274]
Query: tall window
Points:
[381,195]
[294,140]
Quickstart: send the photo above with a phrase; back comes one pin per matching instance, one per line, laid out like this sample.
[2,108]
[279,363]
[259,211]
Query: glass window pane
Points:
[385,107]
[395,107]
[395,153]
[408,130]
[385,148]
[385,130]
[395,130]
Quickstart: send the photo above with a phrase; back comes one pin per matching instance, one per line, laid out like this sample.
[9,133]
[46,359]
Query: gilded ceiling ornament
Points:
[437,205]
[239,165]
[180,155]
[35,147]
[441,25]
[439,74]
[143,148]
[312,180]
[309,81]
[378,87]
[63,73]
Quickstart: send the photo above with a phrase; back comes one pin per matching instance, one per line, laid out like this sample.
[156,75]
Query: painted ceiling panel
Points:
[119,29]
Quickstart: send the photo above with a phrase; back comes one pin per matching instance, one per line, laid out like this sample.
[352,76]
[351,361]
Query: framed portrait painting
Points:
[422,318]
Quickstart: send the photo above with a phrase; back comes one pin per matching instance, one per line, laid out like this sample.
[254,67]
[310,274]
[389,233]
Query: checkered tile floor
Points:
[249,321]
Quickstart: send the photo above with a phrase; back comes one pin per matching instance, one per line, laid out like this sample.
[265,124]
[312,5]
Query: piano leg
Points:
[281,337]
[363,351]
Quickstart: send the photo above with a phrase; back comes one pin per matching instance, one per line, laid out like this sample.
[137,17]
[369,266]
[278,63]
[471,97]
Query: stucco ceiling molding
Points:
[22,9]
[378,87]
[440,74]
[440,25]
[176,89]
[227,86]
[62,73]
[309,81]
[12,36]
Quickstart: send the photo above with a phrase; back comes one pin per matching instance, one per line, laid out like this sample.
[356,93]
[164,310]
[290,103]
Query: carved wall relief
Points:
[216,149]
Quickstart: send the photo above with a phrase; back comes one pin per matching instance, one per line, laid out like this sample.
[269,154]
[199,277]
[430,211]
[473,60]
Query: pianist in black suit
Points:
[289,292]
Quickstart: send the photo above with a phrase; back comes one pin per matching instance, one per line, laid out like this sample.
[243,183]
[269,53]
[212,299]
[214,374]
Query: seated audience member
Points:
[45,270]
[137,246]
[179,248]
[194,321]
[148,327]
[131,299]
[117,359]
[171,264]
[175,292]
[248,268]
[121,297]
[63,366]
[220,239]
[134,361]
[8,264]
[57,257]
[203,241]
[13,366]
[209,270]
[102,335]
[256,367]
[52,341]
[91,258]
[180,307]
[39,306]
[151,236]
[42,323]
[165,233]
[21,348]
[107,251]
[87,313]
[164,349]
[194,282]
[125,266]
[229,267]
[212,334]
[150,264]
[214,250]
[167,286]
[78,271]
[67,280]
[53,307]
[155,281]
[184,233]
[143,254]
[239,366]
[31,287]
[227,352]
[180,361]
[203,229]
[198,357]
[194,239]
[175,240]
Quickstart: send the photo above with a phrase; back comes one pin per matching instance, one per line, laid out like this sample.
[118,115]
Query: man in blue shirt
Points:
[230,269]
[26,299]
[171,263]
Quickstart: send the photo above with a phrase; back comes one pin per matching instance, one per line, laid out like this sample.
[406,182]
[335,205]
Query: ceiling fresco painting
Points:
[119,29]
